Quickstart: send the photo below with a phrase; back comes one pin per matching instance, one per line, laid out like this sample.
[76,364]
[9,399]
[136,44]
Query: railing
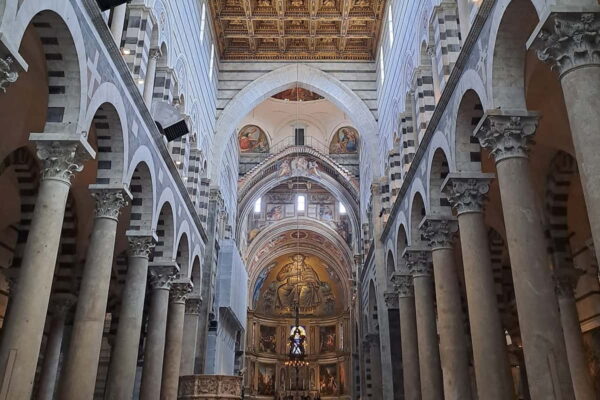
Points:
[309,141]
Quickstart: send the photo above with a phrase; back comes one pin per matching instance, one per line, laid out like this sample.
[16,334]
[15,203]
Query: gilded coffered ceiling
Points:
[297,29]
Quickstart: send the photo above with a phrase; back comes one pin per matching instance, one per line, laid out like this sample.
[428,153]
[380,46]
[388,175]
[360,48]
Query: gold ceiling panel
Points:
[297,29]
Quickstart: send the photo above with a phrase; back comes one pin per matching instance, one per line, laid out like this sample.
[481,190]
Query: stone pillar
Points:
[568,40]
[161,278]
[507,135]
[174,340]
[117,23]
[81,364]
[150,75]
[60,307]
[419,263]
[190,335]
[62,157]
[466,192]
[372,341]
[408,336]
[123,362]
[454,352]
[566,281]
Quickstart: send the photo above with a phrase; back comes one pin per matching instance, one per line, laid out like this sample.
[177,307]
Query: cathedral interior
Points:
[299,199]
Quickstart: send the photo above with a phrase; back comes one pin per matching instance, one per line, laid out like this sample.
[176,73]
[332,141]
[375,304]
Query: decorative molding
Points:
[418,262]
[162,274]
[180,289]
[439,231]
[569,40]
[7,76]
[210,387]
[467,192]
[507,134]
[109,201]
[391,300]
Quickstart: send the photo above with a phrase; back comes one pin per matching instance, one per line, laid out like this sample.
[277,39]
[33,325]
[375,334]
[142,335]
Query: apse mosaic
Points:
[344,141]
[253,139]
[297,94]
[302,280]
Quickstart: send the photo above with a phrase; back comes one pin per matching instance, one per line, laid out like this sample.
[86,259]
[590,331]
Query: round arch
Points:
[286,77]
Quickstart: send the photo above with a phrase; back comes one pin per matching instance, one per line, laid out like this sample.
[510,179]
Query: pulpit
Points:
[210,387]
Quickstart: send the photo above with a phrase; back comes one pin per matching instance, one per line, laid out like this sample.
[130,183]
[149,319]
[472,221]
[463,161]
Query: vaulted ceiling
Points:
[297,29]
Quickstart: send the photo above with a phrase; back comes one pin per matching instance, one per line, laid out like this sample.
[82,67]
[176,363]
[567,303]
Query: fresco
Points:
[328,380]
[266,380]
[252,139]
[303,280]
[327,336]
[345,141]
[268,339]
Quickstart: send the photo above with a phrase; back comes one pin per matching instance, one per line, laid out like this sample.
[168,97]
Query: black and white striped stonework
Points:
[109,137]
[408,138]
[137,40]
[445,33]
[142,204]
[424,95]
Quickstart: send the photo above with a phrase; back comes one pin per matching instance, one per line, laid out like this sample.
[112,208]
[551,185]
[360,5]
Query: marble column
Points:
[174,340]
[161,278]
[467,192]
[117,23]
[81,364]
[374,347]
[454,352]
[61,304]
[150,75]
[568,40]
[123,362]
[507,135]
[566,281]
[418,261]
[62,156]
[190,334]
[408,336]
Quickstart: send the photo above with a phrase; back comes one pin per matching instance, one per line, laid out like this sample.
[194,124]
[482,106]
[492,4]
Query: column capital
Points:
[507,134]
[62,154]
[418,260]
[162,274]
[110,199]
[391,299]
[155,53]
[467,192]
[61,303]
[180,289]
[403,284]
[192,305]
[567,39]
[372,339]
[141,243]
[566,280]
[7,75]
[439,231]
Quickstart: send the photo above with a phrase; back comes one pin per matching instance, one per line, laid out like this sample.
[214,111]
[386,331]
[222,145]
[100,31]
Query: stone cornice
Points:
[471,40]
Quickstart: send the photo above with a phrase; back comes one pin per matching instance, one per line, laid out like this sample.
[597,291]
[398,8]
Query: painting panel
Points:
[253,139]
[274,212]
[268,339]
[328,379]
[345,141]
[266,380]
[328,339]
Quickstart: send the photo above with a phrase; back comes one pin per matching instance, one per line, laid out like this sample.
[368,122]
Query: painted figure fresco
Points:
[327,335]
[328,382]
[268,339]
[298,282]
[266,380]
[252,139]
[274,212]
[345,141]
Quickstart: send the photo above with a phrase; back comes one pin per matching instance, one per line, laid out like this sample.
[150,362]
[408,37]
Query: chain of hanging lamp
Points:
[297,352]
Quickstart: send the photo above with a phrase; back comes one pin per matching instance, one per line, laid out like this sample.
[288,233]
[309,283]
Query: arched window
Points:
[390,25]
[202,21]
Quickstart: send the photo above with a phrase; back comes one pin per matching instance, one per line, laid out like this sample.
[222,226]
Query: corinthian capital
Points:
[141,243]
[62,155]
[391,299]
[403,284]
[568,40]
[418,261]
[7,75]
[507,134]
[162,274]
[61,303]
[566,279]
[439,231]
[467,191]
[192,305]
[180,290]
[110,200]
